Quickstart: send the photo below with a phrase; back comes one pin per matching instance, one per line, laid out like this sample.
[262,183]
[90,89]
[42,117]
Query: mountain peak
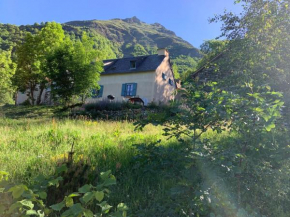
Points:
[132,20]
[131,32]
[158,25]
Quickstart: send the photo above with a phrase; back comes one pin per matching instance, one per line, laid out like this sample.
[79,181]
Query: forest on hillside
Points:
[115,39]
[109,40]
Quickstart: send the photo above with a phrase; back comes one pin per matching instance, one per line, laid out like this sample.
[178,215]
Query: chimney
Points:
[163,51]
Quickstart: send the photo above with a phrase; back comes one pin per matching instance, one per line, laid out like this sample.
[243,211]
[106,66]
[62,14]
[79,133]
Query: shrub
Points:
[110,106]
[88,200]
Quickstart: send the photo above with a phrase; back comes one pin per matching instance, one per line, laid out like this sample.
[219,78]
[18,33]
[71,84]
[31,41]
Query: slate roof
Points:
[143,63]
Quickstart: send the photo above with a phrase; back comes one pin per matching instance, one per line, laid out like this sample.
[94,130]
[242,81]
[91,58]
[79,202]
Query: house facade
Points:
[147,77]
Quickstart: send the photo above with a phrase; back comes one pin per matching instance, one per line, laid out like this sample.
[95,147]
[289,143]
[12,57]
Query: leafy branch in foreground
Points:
[247,116]
[21,200]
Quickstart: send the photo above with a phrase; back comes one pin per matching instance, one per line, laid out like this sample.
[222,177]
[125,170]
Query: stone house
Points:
[147,77]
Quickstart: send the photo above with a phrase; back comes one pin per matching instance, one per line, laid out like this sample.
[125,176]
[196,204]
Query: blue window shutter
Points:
[94,93]
[134,89]
[101,91]
[123,92]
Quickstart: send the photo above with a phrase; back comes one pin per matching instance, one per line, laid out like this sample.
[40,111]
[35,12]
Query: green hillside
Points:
[132,31]
[117,38]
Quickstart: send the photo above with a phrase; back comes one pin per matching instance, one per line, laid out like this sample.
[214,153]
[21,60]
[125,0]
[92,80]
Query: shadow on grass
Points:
[145,174]
[18,112]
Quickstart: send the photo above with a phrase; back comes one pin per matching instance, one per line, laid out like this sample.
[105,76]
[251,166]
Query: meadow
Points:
[155,175]
[34,141]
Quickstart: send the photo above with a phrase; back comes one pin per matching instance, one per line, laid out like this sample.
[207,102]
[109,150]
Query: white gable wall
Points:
[163,91]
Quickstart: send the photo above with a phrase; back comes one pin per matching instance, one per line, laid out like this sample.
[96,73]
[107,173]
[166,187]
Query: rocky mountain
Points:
[132,32]
[117,38]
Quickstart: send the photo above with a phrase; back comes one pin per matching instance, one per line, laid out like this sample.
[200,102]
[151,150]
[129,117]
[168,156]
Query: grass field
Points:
[156,176]
[35,140]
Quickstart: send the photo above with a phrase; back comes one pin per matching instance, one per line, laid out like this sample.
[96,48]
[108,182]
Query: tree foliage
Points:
[135,49]
[31,74]
[259,40]
[74,69]
[239,94]
[186,65]
[49,59]
[175,71]
[252,73]
[211,49]
[7,70]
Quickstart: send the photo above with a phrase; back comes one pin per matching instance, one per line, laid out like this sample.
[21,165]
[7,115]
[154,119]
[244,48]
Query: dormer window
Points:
[133,64]
[170,81]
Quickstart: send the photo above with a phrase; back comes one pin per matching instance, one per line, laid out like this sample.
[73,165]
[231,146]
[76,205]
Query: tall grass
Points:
[34,140]
[31,146]
[34,143]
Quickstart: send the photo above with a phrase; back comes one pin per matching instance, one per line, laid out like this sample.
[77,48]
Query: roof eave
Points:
[118,73]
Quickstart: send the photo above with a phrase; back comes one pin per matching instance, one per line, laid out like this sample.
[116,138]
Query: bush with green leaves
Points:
[244,174]
[89,200]
[221,176]
[110,106]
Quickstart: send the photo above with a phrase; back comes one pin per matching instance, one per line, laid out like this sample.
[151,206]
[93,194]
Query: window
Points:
[98,93]
[164,77]
[129,89]
[170,82]
[133,64]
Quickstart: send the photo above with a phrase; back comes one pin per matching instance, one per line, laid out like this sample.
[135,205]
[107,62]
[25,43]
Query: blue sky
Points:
[187,18]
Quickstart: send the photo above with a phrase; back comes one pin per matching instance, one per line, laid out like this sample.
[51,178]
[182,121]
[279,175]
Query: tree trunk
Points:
[16,97]
[38,101]
[32,89]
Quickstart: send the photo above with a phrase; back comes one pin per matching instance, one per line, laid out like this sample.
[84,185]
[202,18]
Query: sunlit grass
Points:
[35,144]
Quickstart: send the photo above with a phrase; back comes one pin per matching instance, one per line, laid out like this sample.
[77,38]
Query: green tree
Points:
[28,67]
[240,95]
[74,69]
[175,71]
[258,56]
[31,73]
[251,71]
[7,70]
[139,50]
[259,46]
[211,50]
[213,46]
[186,65]
[106,49]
